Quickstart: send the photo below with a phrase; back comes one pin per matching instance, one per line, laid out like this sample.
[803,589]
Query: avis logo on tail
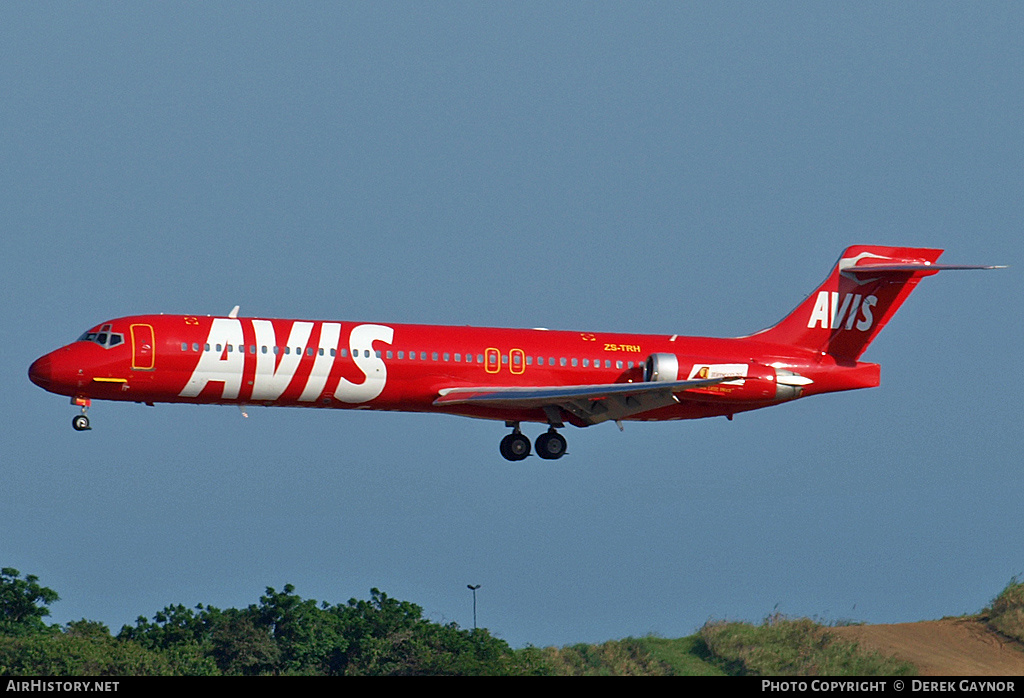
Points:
[514,376]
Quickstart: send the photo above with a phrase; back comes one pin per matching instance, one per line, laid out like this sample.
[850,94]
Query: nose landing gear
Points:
[80,422]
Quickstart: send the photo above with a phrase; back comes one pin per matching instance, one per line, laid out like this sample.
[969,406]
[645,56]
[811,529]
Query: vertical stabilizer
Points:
[864,290]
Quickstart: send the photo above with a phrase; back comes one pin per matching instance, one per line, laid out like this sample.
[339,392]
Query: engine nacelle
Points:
[751,382]
[661,367]
[748,381]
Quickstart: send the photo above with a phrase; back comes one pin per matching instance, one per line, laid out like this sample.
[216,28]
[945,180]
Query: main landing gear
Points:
[550,445]
[515,446]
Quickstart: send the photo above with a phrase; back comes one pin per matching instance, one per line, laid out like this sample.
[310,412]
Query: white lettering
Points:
[769,685]
[853,311]
[271,380]
[967,685]
[273,373]
[818,685]
[214,366]
[360,341]
[829,313]
[820,313]
[865,309]
[330,332]
[837,317]
[919,685]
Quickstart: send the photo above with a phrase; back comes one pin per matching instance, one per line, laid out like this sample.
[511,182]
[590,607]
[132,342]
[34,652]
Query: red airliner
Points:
[510,375]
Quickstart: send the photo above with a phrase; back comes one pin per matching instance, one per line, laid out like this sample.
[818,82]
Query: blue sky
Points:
[690,168]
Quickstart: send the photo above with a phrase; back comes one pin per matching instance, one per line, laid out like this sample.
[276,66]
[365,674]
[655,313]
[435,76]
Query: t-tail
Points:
[865,289]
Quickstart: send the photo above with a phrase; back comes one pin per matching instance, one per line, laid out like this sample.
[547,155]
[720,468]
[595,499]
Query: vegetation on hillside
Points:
[1006,615]
[629,657]
[284,634]
[783,646]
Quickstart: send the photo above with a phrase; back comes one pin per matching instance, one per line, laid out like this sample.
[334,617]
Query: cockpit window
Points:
[105,338]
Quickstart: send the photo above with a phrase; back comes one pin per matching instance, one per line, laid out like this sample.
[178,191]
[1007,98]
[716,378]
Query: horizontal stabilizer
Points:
[911,268]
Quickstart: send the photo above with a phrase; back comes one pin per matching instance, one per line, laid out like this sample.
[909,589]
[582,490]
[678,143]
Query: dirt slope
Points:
[952,647]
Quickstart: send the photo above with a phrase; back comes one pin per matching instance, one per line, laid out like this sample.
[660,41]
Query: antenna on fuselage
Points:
[234,312]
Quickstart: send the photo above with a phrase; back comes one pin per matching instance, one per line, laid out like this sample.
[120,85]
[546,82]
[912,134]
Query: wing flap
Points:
[592,404]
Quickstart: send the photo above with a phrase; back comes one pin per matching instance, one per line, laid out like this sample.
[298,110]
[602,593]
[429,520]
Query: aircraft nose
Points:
[40,372]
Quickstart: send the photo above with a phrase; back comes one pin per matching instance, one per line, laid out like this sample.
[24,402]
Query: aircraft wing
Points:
[592,404]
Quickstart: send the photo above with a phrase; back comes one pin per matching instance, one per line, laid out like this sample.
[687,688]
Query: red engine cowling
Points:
[744,382]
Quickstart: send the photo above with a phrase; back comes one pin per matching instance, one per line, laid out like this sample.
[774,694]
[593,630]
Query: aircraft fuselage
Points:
[512,375]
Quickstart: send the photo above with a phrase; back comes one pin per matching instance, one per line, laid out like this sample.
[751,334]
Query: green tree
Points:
[174,625]
[23,603]
[241,647]
[60,654]
[181,635]
[311,640]
[391,637]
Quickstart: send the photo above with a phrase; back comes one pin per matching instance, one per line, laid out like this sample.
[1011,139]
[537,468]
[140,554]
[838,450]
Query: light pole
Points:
[473,588]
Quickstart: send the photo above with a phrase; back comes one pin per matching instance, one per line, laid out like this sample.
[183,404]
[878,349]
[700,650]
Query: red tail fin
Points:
[865,289]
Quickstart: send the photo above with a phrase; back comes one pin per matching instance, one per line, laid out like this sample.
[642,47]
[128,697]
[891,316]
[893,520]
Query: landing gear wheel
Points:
[80,422]
[551,445]
[515,446]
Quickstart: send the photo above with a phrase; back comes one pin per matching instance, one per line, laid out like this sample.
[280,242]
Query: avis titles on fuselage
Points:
[512,375]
